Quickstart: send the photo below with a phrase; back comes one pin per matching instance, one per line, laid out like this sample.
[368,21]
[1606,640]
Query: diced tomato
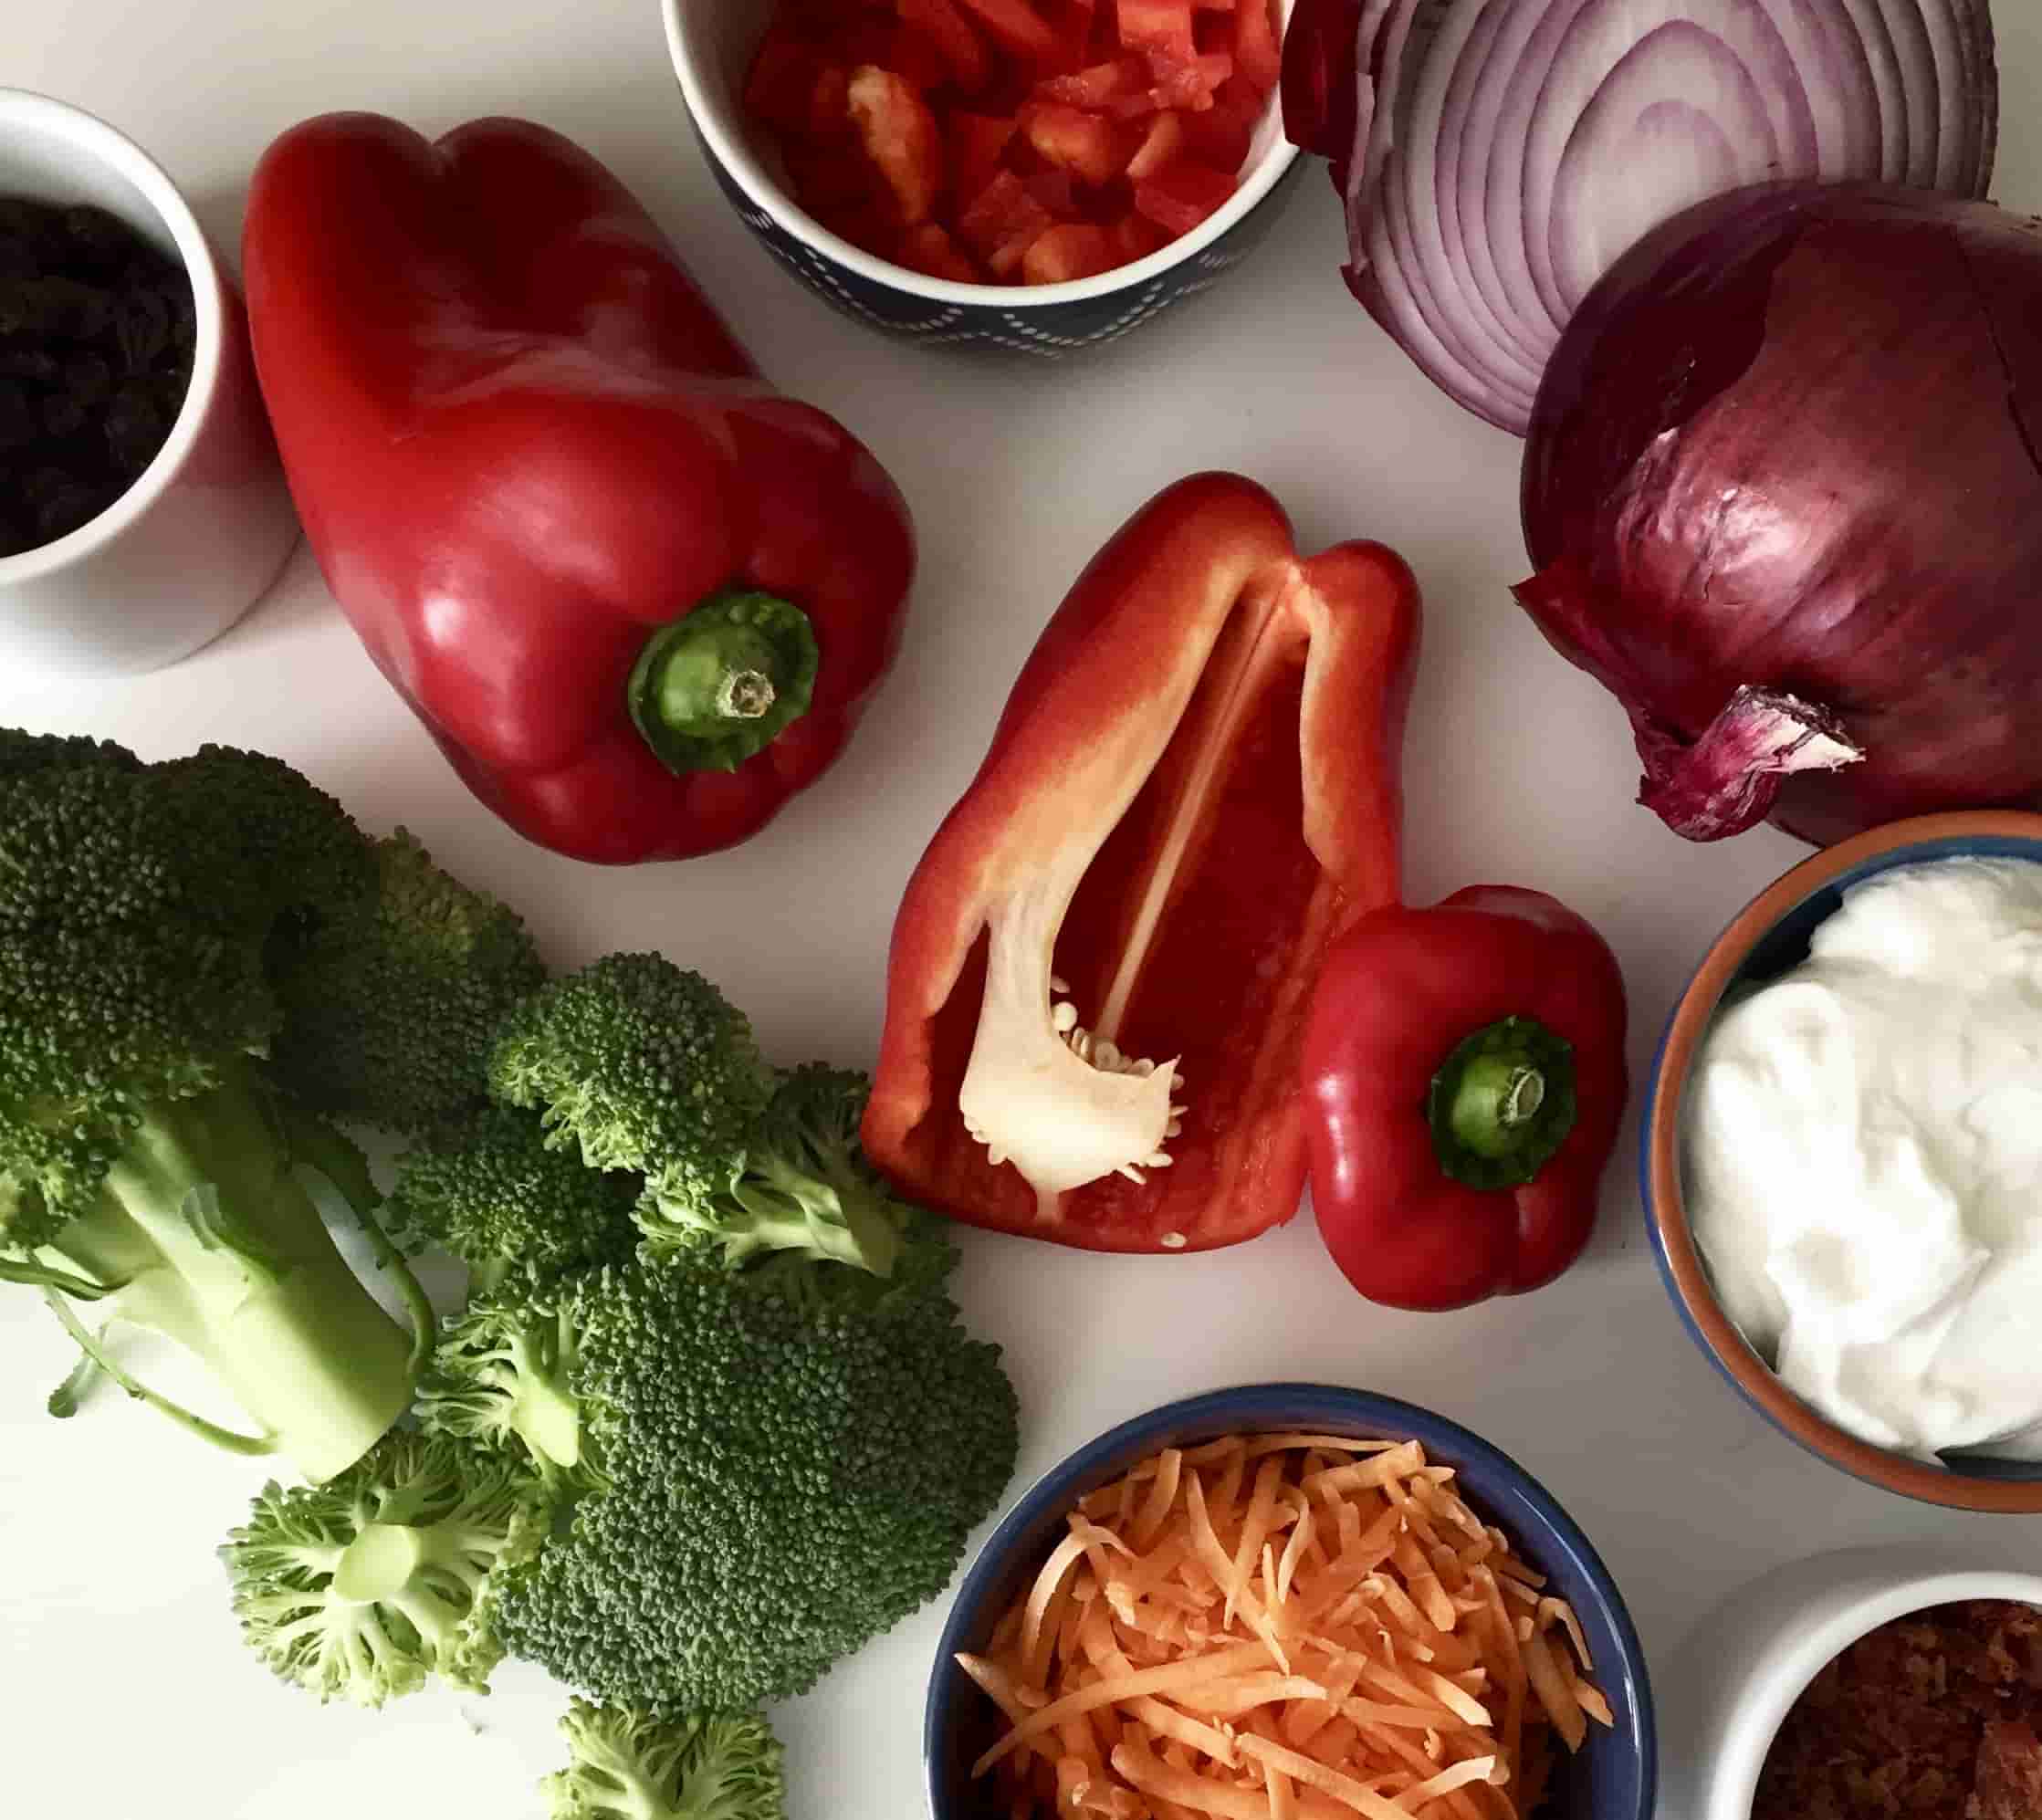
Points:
[1052,190]
[829,108]
[1097,84]
[1182,195]
[930,250]
[1002,223]
[1159,27]
[782,79]
[1257,59]
[976,141]
[1091,148]
[861,37]
[1017,26]
[1076,249]
[1220,136]
[1191,84]
[953,36]
[900,137]
[912,53]
[1164,143]
[1136,237]
[826,177]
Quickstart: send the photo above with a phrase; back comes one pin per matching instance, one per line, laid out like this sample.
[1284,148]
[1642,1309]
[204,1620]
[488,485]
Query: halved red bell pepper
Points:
[1465,1074]
[1101,968]
[637,597]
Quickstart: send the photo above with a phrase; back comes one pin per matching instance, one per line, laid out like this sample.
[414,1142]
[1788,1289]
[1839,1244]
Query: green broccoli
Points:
[389,1001]
[494,1194]
[802,1185]
[642,1066]
[627,1764]
[503,1375]
[794,1456]
[146,1164]
[361,1588]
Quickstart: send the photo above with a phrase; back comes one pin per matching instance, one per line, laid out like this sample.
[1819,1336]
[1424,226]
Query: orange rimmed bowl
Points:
[1769,936]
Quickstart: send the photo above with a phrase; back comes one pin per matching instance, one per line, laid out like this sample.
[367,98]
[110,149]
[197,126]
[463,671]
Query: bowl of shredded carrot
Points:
[1289,1602]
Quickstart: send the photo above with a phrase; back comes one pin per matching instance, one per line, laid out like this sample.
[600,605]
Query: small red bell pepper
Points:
[1101,968]
[1465,1074]
[637,597]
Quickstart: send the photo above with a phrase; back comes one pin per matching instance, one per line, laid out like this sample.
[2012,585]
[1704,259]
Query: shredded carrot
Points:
[1293,1626]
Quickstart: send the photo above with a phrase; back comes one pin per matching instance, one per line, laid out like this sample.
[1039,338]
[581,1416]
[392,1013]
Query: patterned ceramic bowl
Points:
[712,42]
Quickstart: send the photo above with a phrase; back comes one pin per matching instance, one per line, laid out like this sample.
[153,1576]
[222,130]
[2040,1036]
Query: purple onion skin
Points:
[1787,446]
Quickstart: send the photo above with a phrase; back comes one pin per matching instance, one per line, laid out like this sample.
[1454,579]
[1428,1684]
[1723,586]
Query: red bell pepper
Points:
[1101,968]
[1464,1073]
[637,597]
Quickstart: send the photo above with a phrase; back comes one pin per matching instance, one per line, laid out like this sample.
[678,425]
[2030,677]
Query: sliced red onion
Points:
[1497,156]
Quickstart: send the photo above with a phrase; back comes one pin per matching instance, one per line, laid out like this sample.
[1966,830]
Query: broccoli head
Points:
[802,1185]
[361,1588]
[627,1764]
[390,999]
[794,1456]
[642,1066]
[503,1375]
[493,1193]
[145,1163]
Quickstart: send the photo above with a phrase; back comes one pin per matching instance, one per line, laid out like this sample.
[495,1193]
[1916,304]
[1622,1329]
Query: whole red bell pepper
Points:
[1465,1074]
[637,597]
[1101,968]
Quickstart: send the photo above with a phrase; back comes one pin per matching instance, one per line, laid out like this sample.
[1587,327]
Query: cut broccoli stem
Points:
[97,1359]
[214,1243]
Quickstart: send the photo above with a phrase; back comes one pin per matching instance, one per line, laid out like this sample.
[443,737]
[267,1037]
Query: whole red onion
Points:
[1781,492]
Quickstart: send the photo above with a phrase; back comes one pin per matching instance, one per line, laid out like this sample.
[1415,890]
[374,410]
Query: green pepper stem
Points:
[720,684]
[1503,1103]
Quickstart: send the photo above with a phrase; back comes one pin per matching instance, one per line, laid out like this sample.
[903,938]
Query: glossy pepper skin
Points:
[1193,788]
[522,443]
[1496,1016]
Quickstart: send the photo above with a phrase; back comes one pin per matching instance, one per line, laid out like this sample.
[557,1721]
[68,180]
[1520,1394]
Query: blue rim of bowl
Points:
[1923,840]
[1240,1408]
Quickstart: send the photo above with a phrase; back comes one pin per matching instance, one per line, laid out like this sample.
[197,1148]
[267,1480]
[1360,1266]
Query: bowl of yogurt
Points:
[1842,1159]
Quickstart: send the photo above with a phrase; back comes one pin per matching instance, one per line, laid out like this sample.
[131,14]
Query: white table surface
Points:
[125,1688]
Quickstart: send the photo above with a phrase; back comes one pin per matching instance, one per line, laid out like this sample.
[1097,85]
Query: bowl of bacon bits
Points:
[1871,1684]
[1289,1602]
[1037,175]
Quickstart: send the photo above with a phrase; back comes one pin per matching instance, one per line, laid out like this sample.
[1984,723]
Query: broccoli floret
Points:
[494,1194]
[802,1185]
[145,1163]
[361,1588]
[642,1066]
[503,1375]
[627,1764]
[789,1474]
[389,1001]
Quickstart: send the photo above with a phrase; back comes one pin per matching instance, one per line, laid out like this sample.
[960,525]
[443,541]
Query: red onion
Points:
[1497,155]
[1783,494]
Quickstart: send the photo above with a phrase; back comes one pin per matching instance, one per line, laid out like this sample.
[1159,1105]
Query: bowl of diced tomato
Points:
[1037,175]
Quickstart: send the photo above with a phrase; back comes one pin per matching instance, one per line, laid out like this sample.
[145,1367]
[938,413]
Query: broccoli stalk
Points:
[627,1764]
[148,1161]
[201,1230]
[362,1589]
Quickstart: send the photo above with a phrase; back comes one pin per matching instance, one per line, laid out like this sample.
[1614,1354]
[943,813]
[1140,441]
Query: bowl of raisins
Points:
[143,507]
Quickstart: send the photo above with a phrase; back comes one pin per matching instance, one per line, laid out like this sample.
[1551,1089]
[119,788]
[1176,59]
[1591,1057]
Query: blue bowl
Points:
[1770,935]
[711,43]
[1614,1776]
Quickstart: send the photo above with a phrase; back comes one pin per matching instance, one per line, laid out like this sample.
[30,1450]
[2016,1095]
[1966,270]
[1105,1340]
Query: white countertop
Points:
[127,1691]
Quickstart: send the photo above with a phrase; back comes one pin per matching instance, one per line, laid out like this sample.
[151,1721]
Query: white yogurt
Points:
[1864,1162]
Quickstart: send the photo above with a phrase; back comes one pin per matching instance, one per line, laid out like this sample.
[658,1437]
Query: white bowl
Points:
[203,530]
[1732,1682]
[711,43]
